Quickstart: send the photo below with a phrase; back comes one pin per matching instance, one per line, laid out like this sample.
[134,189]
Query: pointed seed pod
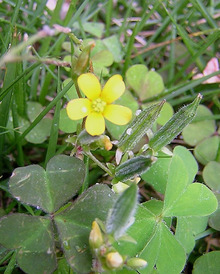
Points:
[140,125]
[175,125]
[133,167]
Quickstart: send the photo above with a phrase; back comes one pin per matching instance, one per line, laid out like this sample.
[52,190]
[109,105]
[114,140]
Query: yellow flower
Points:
[98,104]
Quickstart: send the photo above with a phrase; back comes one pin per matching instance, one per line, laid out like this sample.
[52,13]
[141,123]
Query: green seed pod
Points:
[121,216]
[175,125]
[136,130]
[133,167]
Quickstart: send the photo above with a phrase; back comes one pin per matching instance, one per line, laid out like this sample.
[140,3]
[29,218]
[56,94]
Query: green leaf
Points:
[33,110]
[204,202]
[207,150]
[165,114]
[94,28]
[158,173]
[40,132]
[71,93]
[67,58]
[114,46]
[23,125]
[121,216]
[197,131]
[177,182]
[145,83]
[33,236]
[171,257]
[66,124]
[179,192]
[135,76]
[187,228]
[74,225]
[189,161]
[211,175]
[103,58]
[164,251]
[153,85]
[214,220]
[151,251]
[155,243]
[141,231]
[48,189]
[208,263]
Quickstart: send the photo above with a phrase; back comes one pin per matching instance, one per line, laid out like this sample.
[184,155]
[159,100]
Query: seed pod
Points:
[136,130]
[133,167]
[121,216]
[175,125]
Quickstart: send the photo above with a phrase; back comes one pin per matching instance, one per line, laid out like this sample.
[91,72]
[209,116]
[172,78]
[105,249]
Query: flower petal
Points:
[118,115]
[113,89]
[95,123]
[90,86]
[78,108]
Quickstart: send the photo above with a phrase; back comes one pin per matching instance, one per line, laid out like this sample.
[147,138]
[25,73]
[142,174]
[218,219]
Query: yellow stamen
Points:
[98,105]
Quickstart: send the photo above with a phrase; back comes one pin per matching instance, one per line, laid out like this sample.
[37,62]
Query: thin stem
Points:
[77,88]
[91,156]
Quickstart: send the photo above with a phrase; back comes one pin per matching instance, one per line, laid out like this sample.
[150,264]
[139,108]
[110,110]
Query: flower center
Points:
[98,105]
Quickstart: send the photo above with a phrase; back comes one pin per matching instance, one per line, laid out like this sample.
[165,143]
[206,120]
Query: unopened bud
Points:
[105,140]
[136,263]
[95,236]
[119,187]
[82,63]
[114,260]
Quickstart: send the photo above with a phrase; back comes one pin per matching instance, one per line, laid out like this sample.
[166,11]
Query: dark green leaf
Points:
[33,236]
[48,189]
[74,225]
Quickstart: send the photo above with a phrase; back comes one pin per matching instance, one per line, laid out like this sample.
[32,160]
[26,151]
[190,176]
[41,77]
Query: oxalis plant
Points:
[107,229]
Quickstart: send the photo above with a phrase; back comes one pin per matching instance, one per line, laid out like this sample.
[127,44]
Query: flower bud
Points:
[114,260]
[119,187]
[82,64]
[136,263]
[105,140]
[95,236]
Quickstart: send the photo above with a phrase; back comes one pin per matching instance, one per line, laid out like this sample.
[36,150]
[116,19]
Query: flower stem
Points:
[91,156]
[77,88]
